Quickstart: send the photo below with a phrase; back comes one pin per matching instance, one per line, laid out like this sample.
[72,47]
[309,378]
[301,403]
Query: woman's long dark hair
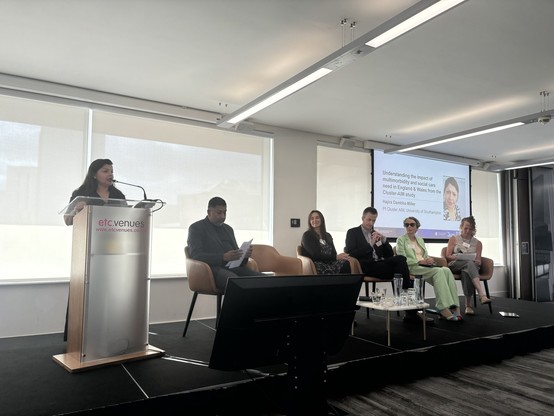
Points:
[90,184]
[322,228]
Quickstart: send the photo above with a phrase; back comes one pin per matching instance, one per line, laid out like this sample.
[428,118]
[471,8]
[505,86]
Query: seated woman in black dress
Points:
[317,244]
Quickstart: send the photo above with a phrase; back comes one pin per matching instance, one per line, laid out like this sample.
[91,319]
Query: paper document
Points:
[462,256]
[509,314]
[244,248]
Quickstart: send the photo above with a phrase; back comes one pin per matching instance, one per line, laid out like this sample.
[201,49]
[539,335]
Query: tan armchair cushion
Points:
[308,266]
[440,261]
[200,276]
[268,259]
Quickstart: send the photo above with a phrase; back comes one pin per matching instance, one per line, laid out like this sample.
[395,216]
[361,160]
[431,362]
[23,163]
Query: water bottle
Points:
[418,286]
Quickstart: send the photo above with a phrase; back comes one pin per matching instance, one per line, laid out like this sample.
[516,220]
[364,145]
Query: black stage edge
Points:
[181,383]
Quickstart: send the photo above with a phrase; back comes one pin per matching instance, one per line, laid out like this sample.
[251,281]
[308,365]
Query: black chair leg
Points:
[66,321]
[218,311]
[194,296]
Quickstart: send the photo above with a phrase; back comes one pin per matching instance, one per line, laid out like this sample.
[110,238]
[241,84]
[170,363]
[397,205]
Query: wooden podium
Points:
[109,289]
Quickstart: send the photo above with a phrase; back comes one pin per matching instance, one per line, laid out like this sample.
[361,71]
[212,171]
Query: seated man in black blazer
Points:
[376,255]
[212,241]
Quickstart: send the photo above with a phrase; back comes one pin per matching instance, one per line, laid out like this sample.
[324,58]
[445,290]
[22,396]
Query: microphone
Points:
[136,186]
[379,236]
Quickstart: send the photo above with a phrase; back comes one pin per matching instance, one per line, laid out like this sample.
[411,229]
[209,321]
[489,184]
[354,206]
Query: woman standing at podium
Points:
[97,184]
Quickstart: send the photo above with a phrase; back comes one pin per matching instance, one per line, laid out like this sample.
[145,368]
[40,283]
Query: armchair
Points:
[201,281]
[308,266]
[268,259]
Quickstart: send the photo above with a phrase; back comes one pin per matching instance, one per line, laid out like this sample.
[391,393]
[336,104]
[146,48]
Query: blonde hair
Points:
[471,221]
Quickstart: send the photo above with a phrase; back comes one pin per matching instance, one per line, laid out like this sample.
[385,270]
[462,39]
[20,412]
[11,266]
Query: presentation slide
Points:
[437,193]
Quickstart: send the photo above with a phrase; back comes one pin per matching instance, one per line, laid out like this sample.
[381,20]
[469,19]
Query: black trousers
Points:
[386,268]
[221,274]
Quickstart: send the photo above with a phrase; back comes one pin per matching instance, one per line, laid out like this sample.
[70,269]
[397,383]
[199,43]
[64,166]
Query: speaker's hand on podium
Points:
[68,217]
[79,206]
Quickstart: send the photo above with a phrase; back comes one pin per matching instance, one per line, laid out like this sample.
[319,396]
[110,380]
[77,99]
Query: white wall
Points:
[32,308]
[295,165]
[29,309]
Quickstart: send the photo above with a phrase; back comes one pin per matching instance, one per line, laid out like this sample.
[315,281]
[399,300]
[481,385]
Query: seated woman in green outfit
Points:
[420,264]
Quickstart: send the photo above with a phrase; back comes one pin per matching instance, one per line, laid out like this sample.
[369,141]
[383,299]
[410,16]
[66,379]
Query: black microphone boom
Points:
[130,184]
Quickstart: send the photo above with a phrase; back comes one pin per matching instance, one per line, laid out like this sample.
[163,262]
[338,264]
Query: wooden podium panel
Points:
[110,288]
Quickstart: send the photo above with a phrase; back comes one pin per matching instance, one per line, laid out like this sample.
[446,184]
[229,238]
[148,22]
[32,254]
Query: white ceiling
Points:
[483,62]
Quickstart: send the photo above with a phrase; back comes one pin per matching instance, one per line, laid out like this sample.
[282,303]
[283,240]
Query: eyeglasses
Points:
[409,224]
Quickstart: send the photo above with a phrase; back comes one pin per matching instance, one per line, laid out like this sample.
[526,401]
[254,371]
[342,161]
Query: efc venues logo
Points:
[120,226]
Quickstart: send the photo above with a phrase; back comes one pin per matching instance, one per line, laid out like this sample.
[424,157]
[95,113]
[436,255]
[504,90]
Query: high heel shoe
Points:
[469,310]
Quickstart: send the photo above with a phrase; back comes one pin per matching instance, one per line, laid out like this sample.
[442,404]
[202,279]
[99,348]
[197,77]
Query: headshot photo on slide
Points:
[451,199]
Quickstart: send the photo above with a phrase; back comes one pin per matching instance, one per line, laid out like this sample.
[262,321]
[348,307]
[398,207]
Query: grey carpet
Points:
[522,385]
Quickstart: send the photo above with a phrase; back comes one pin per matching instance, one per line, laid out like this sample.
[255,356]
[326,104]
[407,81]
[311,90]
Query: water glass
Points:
[411,296]
[404,297]
[397,282]
[418,286]
[388,302]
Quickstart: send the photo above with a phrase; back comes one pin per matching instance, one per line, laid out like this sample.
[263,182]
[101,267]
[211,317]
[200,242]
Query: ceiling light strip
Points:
[490,128]
[530,165]
[356,49]
[291,89]
[462,136]
[412,22]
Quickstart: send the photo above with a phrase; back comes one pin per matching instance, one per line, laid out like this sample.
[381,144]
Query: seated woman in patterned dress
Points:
[317,244]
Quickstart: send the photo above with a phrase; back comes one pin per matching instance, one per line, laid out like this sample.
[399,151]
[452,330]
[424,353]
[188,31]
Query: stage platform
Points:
[181,382]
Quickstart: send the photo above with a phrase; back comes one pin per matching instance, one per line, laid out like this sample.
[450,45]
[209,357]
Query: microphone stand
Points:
[141,204]
[136,186]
